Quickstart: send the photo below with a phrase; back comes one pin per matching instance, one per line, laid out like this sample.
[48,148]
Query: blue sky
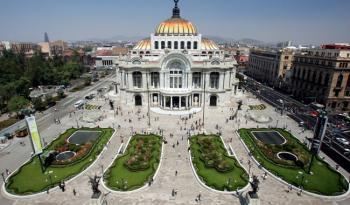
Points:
[302,21]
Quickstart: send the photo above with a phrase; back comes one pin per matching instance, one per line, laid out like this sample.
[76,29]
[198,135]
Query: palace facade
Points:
[176,69]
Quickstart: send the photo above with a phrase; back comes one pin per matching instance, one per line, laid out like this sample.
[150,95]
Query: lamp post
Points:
[203,96]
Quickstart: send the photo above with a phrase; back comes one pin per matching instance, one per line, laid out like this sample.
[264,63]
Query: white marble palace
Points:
[176,69]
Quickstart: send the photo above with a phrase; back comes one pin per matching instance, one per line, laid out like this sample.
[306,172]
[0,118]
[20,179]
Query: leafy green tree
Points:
[87,81]
[16,103]
[39,104]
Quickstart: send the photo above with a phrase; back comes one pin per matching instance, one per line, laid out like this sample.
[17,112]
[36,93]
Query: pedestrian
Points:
[175,172]
[74,192]
[199,197]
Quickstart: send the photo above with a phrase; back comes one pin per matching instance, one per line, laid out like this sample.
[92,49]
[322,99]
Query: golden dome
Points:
[209,44]
[176,26]
[144,44]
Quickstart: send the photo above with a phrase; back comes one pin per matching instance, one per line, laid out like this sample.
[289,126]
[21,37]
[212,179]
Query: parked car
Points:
[342,141]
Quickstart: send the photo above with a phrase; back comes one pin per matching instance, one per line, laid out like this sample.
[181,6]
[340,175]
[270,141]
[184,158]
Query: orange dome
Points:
[176,26]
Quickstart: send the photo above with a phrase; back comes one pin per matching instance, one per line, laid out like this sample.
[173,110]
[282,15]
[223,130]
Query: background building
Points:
[270,67]
[322,75]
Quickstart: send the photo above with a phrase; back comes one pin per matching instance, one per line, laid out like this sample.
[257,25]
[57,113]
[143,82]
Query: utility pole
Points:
[319,132]
[149,113]
[203,96]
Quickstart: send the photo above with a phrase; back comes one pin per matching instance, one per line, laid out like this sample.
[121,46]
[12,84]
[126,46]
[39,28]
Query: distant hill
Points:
[249,41]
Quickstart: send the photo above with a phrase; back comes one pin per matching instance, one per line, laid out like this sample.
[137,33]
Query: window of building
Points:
[214,80]
[188,44]
[286,57]
[182,45]
[169,44]
[155,79]
[334,104]
[320,78]
[336,93]
[162,45]
[175,76]
[339,80]
[326,79]
[137,79]
[196,79]
[176,45]
[156,45]
[195,45]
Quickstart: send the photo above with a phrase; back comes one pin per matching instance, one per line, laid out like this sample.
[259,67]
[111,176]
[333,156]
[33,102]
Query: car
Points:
[79,103]
[301,124]
[89,97]
[342,141]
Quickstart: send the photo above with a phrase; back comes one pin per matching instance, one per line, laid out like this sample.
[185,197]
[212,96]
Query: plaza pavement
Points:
[185,183]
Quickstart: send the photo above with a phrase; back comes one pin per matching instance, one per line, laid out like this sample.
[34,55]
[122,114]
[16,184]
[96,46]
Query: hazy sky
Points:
[302,21]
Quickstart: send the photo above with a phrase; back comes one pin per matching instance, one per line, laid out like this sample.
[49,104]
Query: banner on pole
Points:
[34,135]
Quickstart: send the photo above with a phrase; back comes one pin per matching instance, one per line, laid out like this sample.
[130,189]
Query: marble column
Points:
[130,83]
[144,80]
[189,80]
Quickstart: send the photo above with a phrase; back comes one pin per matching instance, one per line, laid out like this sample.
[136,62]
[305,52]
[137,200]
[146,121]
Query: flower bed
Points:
[257,107]
[213,165]
[322,179]
[137,165]
[92,107]
[29,178]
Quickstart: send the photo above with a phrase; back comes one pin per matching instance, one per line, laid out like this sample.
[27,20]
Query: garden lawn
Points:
[324,180]
[29,179]
[228,180]
[119,177]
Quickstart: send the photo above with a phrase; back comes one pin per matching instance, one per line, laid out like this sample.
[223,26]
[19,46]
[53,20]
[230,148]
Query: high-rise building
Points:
[46,38]
[323,75]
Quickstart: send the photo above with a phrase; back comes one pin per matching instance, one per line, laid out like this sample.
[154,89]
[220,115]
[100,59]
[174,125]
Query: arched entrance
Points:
[213,100]
[138,100]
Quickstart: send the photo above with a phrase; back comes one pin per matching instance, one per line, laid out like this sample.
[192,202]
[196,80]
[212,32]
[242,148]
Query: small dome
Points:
[144,44]
[176,26]
[209,44]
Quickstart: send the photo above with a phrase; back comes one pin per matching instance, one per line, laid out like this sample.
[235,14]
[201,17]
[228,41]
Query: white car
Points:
[79,103]
[342,140]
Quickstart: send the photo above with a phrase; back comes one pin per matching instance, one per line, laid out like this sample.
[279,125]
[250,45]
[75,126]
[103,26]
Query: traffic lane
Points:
[64,107]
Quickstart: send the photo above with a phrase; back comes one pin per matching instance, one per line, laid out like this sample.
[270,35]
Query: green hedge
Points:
[121,178]
[29,178]
[324,180]
[231,180]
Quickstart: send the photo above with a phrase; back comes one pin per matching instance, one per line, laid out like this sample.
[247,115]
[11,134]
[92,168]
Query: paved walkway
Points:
[185,183]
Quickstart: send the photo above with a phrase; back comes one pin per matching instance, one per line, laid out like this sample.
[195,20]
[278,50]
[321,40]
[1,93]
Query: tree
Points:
[87,81]
[49,100]
[39,104]
[16,103]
